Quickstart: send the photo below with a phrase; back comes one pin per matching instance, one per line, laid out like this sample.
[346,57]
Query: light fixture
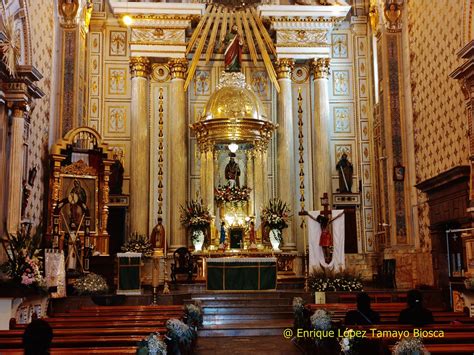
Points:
[127,20]
[233,147]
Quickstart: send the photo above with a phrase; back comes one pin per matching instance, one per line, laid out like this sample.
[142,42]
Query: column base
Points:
[288,247]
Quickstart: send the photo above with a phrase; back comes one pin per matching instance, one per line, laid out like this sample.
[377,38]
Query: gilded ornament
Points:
[178,67]
[68,12]
[393,13]
[139,66]
[374,17]
[321,68]
[233,113]
[79,168]
[10,45]
[284,68]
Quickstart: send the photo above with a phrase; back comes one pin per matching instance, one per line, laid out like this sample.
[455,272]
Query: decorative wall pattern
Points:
[438,108]
[41,32]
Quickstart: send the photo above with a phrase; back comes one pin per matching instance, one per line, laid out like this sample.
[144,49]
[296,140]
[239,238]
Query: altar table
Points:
[235,274]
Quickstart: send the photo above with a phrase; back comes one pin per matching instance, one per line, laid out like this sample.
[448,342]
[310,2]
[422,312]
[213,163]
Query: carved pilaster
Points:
[284,68]
[178,67]
[139,67]
[321,68]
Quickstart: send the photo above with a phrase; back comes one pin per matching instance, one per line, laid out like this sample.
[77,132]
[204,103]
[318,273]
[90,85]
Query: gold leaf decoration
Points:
[9,45]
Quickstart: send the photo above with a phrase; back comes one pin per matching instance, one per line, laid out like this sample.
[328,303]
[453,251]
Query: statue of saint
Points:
[116,178]
[232,172]
[345,169]
[233,51]
[157,238]
[252,245]
[222,236]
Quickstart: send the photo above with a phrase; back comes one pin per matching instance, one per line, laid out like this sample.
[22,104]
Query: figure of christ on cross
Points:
[324,219]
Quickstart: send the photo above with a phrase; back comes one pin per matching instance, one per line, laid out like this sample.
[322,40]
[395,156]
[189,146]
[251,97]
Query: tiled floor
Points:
[271,345]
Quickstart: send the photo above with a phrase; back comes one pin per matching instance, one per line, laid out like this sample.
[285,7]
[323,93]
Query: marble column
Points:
[179,151]
[286,172]
[15,168]
[320,150]
[139,147]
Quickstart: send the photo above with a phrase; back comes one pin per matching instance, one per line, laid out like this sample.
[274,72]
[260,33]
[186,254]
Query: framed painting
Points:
[79,191]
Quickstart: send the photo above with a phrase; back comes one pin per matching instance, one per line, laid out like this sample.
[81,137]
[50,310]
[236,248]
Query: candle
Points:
[155,276]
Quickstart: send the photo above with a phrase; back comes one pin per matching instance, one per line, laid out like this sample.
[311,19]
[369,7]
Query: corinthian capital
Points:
[139,67]
[321,68]
[284,68]
[178,67]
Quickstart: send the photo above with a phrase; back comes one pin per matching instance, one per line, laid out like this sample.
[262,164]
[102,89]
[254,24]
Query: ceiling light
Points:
[127,20]
[233,147]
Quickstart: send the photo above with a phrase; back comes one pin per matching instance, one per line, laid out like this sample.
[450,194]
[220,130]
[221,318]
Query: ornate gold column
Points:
[320,134]
[250,183]
[139,147]
[15,168]
[286,173]
[260,178]
[210,178]
[179,150]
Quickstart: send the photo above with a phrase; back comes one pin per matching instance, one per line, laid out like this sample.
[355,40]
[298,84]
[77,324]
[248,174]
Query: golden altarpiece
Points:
[79,186]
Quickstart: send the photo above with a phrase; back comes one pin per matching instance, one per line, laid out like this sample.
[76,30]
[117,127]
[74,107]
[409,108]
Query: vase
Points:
[198,239]
[275,237]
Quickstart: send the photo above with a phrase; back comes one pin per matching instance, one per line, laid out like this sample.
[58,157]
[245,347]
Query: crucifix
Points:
[324,219]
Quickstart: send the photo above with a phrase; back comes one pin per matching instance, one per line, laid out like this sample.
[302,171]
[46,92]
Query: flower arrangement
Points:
[195,214]
[193,315]
[24,262]
[227,193]
[152,344]
[275,215]
[322,282]
[409,346]
[138,243]
[321,320]
[180,336]
[91,284]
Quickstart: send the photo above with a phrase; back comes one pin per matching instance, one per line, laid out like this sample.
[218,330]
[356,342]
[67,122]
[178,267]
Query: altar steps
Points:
[254,328]
[245,314]
[213,302]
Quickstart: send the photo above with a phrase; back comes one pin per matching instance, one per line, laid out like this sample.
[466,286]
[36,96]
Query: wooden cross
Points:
[326,212]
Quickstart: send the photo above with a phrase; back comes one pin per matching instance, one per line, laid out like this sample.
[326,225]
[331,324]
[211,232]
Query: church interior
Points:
[259,176]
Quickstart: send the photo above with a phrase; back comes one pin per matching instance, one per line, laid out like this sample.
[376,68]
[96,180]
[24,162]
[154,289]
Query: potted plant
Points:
[275,217]
[197,218]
